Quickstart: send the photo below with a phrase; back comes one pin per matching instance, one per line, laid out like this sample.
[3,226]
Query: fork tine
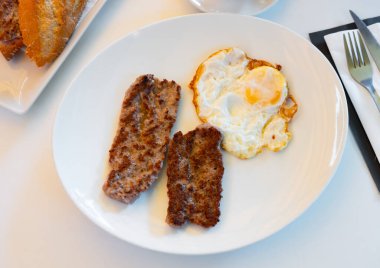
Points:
[358,51]
[352,51]
[364,51]
[350,63]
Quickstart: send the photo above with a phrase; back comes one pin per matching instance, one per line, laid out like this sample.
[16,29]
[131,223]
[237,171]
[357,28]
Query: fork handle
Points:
[376,98]
[374,95]
[369,85]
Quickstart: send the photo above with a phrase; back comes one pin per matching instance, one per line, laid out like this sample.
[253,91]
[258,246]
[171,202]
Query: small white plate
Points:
[21,81]
[260,195]
[246,7]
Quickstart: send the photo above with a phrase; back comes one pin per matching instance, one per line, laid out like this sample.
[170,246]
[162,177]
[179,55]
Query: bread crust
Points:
[10,36]
[47,25]
[74,9]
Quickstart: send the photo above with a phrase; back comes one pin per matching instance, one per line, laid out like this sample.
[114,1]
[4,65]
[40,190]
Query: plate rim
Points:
[200,7]
[342,144]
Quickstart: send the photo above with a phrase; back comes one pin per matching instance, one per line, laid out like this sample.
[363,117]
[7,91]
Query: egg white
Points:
[248,122]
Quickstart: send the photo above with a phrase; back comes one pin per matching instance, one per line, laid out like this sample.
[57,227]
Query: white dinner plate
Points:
[260,195]
[21,81]
[246,7]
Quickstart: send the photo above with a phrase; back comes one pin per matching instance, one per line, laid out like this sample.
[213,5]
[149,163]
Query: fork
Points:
[359,65]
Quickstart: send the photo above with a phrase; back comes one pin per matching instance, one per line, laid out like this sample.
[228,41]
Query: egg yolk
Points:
[253,95]
[269,83]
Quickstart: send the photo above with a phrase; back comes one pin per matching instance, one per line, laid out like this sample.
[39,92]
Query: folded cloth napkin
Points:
[361,99]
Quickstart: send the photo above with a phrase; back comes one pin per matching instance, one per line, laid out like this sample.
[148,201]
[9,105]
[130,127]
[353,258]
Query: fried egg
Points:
[247,100]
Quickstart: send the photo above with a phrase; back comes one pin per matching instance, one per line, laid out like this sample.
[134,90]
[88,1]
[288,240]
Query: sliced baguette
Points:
[47,25]
[10,35]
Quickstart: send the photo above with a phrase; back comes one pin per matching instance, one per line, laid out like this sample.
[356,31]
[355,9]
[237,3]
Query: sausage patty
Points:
[148,113]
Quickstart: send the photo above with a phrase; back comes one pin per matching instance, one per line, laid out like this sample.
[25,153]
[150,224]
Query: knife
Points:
[372,45]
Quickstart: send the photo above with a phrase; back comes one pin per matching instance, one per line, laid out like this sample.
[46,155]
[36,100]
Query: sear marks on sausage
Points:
[195,171]
[147,116]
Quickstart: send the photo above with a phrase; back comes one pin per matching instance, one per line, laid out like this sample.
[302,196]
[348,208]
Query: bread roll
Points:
[10,35]
[47,25]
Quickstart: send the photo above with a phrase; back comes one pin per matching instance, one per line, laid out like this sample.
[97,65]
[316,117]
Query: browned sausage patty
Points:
[195,171]
[148,113]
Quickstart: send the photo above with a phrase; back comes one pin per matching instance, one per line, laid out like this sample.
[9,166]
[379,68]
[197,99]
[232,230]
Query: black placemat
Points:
[317,38]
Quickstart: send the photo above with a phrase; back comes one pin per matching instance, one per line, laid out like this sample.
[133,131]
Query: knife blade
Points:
[370,41]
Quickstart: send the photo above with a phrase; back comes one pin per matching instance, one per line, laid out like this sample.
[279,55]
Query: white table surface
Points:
[41,227]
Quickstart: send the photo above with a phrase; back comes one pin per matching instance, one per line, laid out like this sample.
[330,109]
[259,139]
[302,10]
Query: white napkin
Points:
[363,103]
